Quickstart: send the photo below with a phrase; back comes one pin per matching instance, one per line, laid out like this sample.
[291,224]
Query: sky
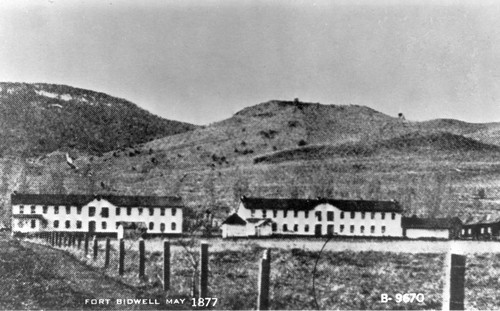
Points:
[202,61]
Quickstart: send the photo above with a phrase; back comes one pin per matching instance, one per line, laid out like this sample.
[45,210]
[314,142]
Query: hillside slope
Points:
[41,118]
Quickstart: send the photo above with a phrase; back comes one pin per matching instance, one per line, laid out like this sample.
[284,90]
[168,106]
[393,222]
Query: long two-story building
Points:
[95,214]
[314,217]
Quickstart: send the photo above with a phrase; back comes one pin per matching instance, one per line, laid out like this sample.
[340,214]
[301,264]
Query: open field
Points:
[344,279]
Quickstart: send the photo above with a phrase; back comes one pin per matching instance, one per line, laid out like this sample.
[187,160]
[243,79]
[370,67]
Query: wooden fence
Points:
[453,291]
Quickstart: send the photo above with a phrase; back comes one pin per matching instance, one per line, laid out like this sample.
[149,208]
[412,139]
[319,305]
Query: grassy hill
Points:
[36,119]
[444,144]
[434,167]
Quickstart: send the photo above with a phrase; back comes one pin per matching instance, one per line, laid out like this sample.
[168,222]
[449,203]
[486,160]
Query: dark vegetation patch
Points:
[32,124]
[413,143]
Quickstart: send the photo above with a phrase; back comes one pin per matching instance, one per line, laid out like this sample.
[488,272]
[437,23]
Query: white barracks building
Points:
[95,214]
[314,217]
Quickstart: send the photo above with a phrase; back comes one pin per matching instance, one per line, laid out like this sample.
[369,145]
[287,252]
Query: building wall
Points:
[99,218]
[306,223]
[427,233]
[233,231]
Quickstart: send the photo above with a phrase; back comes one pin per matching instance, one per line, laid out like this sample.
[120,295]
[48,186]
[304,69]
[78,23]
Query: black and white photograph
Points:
[249,155]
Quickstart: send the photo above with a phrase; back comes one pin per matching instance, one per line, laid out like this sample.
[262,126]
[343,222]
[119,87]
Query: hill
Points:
[40,118]
[212,166]
[443,143]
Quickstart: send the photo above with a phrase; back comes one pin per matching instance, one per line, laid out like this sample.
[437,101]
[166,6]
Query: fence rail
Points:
[453,290]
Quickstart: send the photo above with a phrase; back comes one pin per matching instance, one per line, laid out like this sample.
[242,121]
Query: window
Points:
[105,212]
[363,215]
[33,224]
[56,223]
[45,208]
[44,224]
[151,211]
[91,211]
[67,224]
[174,211]
[353,214]
[162,227]
[275,213]
[372,229]
[104,225]
[463,231]
[295,228]
[129,211]
[20,223]
[373,215]
[295,214]
[362,229]
[393,216]
[33,209]
[264,214]
[285,228]
[274,226]
[383,229]
[329,216]
[118,211]
[162,213]
[252,212]
[352,229]
[21,209]
[173,226]
[318,215]
[68,209]
[341,215]
[285,213]
[78,224]
[306,214]
[151,225]
[117,224]
[306,228]
[341,228]
[383,215]
[79,210]
[140,210]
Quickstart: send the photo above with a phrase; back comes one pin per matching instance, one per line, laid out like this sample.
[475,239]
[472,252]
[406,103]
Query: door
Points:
[317,230]
[92,226]
[330,230]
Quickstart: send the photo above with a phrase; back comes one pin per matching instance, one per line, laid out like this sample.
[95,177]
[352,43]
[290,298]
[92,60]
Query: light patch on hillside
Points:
[65,97]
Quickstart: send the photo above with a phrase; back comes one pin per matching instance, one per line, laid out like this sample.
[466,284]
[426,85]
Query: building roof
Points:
[82,199]
[234,219]
[259,221]
[429,223]
[310,204]
[482,220]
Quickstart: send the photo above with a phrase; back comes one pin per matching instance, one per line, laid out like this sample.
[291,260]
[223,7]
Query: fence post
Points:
[86,244]
[79,240]
[453,295]
[96,246]
[166,265]
[121,258]
[59,239]
[264,276]
[142,259]
[204,270]
[106,258]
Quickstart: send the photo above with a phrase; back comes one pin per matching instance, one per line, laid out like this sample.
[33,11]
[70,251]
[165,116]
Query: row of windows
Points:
[104,225]
[330,228]
[92,210]
[318,214]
